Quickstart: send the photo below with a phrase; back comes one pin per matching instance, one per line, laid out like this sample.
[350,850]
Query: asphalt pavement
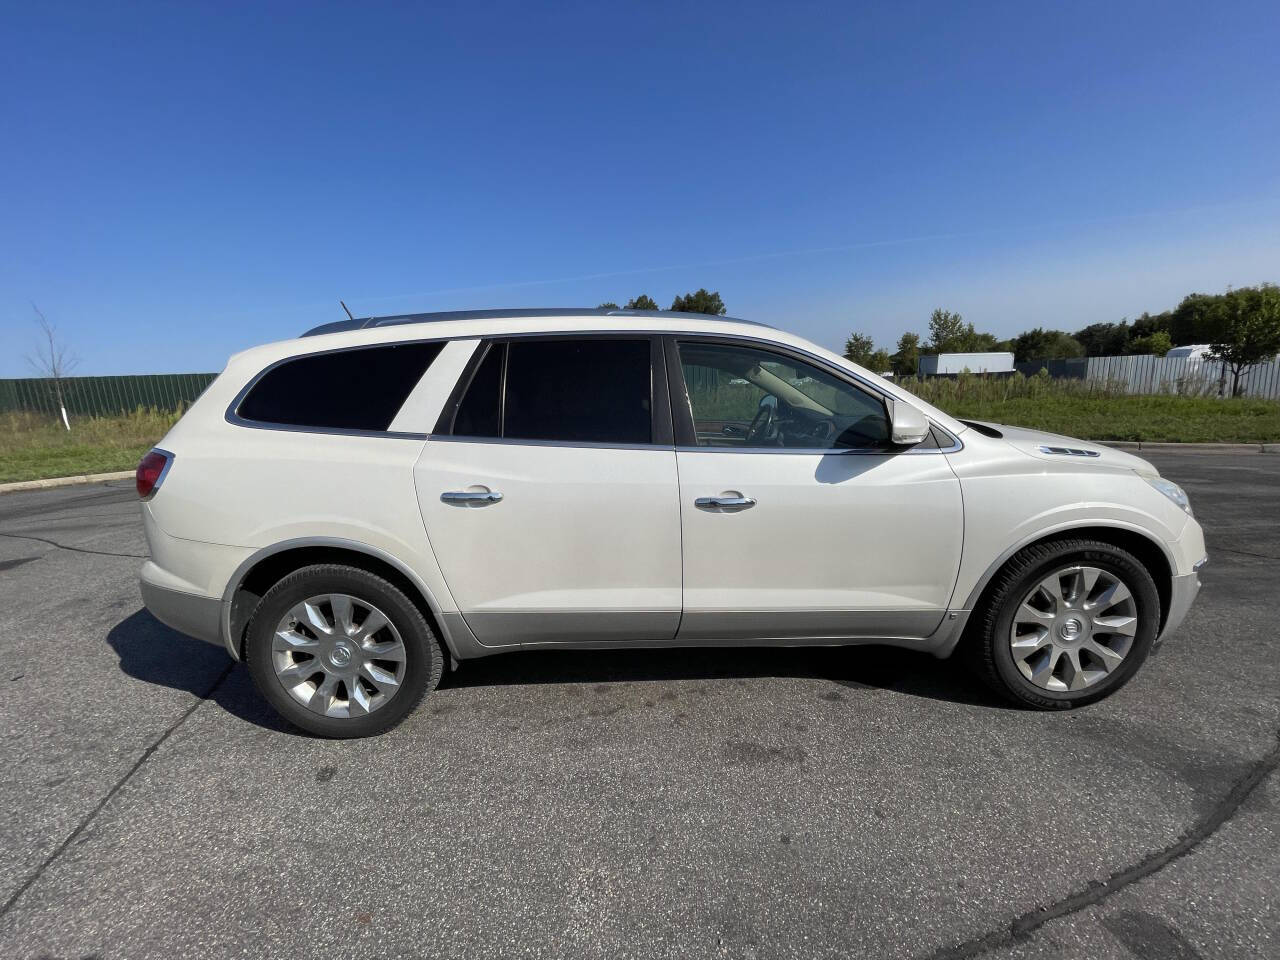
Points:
[861,802]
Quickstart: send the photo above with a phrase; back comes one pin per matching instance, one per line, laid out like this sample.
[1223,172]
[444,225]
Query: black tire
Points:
[989,648]
[424,659]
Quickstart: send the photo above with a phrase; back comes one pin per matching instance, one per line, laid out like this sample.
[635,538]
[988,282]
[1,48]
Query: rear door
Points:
[549,492]
[800,519]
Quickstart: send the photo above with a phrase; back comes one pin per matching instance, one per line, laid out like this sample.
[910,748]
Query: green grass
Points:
[1092,411]
[34,447]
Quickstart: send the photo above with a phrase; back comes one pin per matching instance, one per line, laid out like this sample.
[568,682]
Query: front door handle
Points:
[469,497]
[725,503]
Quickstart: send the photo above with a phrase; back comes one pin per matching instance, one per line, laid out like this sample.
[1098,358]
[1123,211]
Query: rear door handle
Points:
[468,497]
[726,503]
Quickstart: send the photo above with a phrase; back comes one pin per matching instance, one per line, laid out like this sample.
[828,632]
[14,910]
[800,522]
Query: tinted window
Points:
[480,412]
[576,391]
[743,397]
[348,389]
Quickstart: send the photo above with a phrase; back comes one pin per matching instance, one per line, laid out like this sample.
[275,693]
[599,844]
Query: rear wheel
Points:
[341,652]
[1066,623]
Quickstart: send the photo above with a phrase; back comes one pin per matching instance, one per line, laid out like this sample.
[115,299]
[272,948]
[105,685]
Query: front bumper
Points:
[1181,597]
[188,613]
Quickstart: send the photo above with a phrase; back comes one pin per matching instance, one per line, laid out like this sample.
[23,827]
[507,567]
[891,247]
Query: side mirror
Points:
[909,425]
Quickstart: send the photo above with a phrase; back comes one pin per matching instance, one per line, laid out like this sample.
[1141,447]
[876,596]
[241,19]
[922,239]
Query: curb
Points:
[1191,447]
[63,481]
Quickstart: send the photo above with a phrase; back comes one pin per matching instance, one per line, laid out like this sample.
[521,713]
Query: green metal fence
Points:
[104,396]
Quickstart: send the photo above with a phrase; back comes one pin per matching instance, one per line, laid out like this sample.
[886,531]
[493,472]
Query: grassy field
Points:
[1093,411]
[35,447]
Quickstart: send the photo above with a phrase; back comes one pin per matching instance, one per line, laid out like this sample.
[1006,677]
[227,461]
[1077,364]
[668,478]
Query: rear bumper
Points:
[188,613]
[1181,597]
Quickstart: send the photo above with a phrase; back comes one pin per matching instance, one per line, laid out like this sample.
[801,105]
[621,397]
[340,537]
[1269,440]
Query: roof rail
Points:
[361,323]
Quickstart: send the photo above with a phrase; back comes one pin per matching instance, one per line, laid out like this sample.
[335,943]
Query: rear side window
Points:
[480,413]
[360,389]
[574,391]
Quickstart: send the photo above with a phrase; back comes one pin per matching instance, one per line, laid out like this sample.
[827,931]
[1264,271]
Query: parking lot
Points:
[741,803]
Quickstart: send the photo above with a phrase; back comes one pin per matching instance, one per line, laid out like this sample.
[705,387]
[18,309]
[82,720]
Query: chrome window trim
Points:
[237,421]
[233,418]
[824,451]
[520,442]
[806,451]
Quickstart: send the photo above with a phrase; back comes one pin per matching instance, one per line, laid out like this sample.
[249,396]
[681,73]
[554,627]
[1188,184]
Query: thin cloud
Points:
[817,251]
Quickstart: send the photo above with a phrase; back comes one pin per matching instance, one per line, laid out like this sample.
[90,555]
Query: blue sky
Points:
[181,181]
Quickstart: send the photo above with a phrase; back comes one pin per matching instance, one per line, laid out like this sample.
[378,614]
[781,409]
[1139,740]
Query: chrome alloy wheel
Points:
[1073,629]
[338,655]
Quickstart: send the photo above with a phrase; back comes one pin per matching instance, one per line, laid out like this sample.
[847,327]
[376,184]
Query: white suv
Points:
[350,510]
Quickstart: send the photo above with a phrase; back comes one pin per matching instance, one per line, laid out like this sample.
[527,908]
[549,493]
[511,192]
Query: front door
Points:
[551,498]
[799,518]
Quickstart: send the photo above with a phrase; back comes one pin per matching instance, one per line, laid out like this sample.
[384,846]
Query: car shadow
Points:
[904,672]
[154,653]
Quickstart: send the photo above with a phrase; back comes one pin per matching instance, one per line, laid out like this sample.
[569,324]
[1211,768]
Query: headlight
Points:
[1172,491]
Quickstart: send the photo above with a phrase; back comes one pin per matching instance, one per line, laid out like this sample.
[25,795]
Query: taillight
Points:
[151,472]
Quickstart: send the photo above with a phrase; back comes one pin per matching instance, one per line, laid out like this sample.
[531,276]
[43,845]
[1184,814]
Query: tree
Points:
[947,331]
[645,302]
[1195,319]
[906,362]
[1103,339]
[1041,344]
[700,302]
[859,348]
[1150,323]
[53,361]
[1247,329]
[610,305]
[1158,343]
[983,342]
[879,362]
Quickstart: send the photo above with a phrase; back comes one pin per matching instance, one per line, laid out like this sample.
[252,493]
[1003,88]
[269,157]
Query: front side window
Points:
[594,390]
[744,397]
[361,389]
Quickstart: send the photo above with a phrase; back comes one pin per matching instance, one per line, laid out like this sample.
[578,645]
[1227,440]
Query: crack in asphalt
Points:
[63,546]
[118,786]
[1246,553]
[127,515]
[1021,927]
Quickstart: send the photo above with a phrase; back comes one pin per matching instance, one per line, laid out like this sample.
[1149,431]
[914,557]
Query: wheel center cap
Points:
[340,655]
[1071,629]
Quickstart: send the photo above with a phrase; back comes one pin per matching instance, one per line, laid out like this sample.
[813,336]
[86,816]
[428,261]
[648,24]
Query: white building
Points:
[932,364]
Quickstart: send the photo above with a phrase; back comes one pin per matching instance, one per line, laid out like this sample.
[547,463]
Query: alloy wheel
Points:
[338,655]
[1073,629]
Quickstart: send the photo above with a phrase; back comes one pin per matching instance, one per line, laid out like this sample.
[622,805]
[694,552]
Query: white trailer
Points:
[933,364]
[1192,351]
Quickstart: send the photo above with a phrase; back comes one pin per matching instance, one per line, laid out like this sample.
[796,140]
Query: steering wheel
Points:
[762,423]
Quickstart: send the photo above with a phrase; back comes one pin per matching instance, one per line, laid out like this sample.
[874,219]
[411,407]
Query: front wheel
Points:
[341,652]
[1066,623]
